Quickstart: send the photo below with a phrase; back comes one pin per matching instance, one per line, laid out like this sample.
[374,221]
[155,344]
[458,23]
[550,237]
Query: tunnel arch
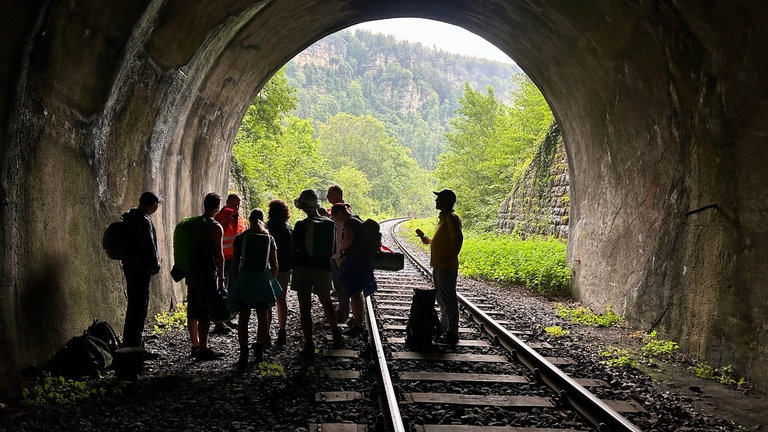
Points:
[656,102]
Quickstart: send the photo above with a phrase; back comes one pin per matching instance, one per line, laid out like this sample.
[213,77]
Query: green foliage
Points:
[396,182]
[490,147]
[534,262]
[556,331]
[271,370]
[274,155]
[57,390]
[583,315]
[400,83]
[537,263]
[175,319]
[658,347]
[724,375]
[617,358]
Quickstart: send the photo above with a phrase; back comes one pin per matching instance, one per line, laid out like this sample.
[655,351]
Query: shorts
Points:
[306,279]
[200,292]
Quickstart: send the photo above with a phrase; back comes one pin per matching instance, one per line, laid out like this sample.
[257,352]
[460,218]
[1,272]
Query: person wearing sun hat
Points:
[445,246]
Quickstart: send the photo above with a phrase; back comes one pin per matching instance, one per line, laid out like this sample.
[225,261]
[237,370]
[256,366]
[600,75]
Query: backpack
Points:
[254,256]
[373,230]
[114,240]
[186,240]
[423,323]
[102,330]
[82,356]
[320,237]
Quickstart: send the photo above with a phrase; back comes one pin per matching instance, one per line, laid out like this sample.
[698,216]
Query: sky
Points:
[444,36]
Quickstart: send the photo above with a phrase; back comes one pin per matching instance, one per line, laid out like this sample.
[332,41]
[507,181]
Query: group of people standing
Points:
[254,263]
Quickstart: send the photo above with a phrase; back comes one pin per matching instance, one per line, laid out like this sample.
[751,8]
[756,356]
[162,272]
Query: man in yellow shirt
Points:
[445,246]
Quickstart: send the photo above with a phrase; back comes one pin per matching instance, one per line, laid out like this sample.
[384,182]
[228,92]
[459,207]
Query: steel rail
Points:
[590,406]
[387,396]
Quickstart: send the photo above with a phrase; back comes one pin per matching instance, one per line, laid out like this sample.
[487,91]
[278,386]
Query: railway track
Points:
[491,380]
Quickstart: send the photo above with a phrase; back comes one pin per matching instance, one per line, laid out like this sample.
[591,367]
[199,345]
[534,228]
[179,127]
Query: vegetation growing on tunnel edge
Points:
[57,390]
[175,319]
[556,331]
[537,263]
[489,149]
[584,315]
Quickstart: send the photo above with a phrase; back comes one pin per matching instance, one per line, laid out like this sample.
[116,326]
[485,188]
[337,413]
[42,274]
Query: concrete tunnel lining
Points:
[653,100]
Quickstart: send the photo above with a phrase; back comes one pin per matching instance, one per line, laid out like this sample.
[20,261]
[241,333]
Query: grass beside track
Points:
[538,263]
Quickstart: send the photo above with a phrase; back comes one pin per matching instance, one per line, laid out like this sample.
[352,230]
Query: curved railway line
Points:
[495,379]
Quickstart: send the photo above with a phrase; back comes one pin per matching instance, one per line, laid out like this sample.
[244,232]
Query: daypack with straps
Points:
[186,242]
[103,330]
[114,240]
[319,237]
[81,356]
[254,254]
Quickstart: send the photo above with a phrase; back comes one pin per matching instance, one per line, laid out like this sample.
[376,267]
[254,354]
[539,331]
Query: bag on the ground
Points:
[319,237]
[254,254]
[114,240]
[423,322]
[102,330]
[82,356]
[186,240]
[386,259]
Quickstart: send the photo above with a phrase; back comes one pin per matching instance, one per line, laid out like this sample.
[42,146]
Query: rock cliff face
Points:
[540,202]
[660,106]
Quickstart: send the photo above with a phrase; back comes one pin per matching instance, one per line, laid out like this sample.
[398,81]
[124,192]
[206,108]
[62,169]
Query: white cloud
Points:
[443,36]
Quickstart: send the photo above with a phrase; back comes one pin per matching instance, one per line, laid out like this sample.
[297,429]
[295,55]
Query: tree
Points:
[362,143]
[274,155]
[490,147]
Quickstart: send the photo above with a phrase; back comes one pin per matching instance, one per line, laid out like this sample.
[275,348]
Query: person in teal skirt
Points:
[254,285]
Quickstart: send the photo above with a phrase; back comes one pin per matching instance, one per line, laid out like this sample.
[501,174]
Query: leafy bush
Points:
[47,389]
[584,315]
[658,347]
[724,375]
[556,331]
[617,358]
[175,319]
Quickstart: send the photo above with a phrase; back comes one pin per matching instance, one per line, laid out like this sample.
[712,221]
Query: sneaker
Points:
[353,331]
[351,322]
[281,338]
[258,352]
[221,329]
[338,339]
[448,338]
[149,355]
[195,352]
[206,354]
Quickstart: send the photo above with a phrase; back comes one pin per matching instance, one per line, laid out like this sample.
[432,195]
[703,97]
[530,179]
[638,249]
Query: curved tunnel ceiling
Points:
[662,106]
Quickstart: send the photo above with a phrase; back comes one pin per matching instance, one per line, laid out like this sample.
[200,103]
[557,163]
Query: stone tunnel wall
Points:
[661,106]
[540,202]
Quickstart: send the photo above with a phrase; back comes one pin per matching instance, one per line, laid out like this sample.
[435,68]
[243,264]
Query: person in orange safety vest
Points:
[233,224]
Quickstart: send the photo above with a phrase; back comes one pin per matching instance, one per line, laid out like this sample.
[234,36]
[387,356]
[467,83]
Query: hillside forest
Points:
[390,121]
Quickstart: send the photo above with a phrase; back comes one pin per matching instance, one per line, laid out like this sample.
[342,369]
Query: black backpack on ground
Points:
[102,330]
[81,356]
[423,322]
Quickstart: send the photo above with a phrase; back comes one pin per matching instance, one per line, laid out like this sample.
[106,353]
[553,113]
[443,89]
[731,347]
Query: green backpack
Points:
[186,241]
